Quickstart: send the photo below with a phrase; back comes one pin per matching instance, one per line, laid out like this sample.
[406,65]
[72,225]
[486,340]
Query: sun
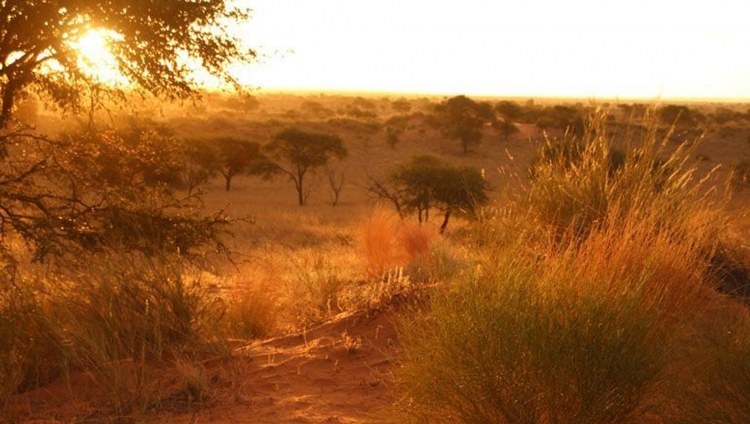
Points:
[95,57]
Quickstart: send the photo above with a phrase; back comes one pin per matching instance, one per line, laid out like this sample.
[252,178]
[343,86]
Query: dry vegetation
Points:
[593,287]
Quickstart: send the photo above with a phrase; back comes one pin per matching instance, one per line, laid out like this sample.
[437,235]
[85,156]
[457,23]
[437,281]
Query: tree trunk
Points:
[229,181]
[300,191]
[445,221]
[9,94]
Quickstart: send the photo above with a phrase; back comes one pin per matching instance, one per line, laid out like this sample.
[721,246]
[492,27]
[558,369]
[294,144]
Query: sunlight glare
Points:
[580,48]
[96,58]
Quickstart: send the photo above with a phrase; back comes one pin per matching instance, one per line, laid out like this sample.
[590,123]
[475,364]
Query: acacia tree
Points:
[52,198]
[297,152]
[462,118]
[150,40]
[510,112]
[426,182]
[237,156]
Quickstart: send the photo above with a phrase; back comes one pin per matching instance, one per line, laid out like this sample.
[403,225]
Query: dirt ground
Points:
[338,372]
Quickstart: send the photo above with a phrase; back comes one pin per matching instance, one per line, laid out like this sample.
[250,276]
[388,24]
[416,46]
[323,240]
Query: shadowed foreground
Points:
[335,373]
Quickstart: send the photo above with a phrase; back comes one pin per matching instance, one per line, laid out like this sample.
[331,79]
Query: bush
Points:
[252,313]
[124,319]
[577,312]
[581,183]
[579,335]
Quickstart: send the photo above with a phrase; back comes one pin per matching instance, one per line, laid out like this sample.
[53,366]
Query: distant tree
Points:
[561,117]
[463,119]
[401,105]
[678,115]
[393,135]
[426,182]
[356,112]
[200,164]
[507,128]
[227,156]
[509,110]
[416,182]
[247,103]
[238,156]
[362,103]
[335,185]
[297,152]
[315,108]
[723,115]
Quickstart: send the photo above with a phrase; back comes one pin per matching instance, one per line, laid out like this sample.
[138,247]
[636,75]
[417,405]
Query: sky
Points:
[593,49]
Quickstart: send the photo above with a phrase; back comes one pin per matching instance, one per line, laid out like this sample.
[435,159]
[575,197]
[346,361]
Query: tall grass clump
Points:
[586,294]
[252,313]
[317,292]
[122,321]
[579,183]
[29,346]
[575,335]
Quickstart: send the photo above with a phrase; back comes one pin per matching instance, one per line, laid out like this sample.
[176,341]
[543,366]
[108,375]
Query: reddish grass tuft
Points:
[415,239]
[389,242]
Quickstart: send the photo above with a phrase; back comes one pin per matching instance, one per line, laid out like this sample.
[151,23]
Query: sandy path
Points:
[336,373]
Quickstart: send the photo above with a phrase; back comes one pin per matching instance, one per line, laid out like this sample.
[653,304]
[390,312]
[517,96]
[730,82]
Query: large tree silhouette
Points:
[50,195]
[156,44]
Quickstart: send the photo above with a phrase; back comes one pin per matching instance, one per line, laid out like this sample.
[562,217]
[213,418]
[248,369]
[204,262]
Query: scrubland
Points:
[604,282]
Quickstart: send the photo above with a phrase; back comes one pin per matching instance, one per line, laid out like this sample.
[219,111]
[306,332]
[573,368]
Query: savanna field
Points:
[455,260]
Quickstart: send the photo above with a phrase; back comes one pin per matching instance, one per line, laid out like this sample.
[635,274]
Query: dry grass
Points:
[389,242]
[577,311]
[592,305]
[252,311]
[570,336]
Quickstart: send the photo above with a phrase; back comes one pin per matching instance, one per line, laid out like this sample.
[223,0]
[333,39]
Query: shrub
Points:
[251,314]
[123,319]
[389,242]
[582,183]
[579,335]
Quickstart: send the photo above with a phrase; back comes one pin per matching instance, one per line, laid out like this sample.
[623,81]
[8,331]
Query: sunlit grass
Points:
[588,296]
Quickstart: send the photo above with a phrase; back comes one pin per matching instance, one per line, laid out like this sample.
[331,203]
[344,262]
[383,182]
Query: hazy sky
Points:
[582,48]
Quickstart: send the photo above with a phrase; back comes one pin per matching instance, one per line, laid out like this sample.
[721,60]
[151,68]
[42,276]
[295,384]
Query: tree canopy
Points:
[104,189]
[156,43]
[297,152]
[231,156]
[426,182]
[462,118]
